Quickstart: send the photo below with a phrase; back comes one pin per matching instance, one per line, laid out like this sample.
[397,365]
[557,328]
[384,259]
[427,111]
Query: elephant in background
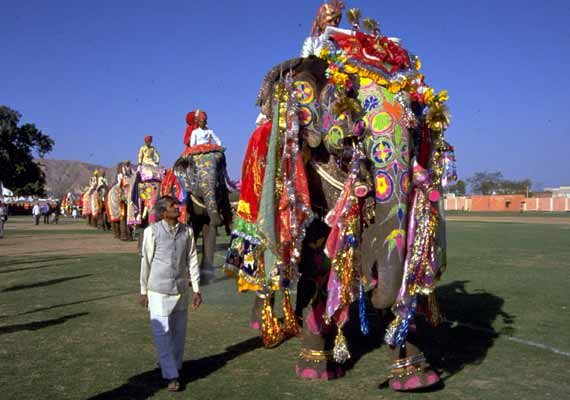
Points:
[118,200]
[98,208]
[199,180]
[372,145]
[143,191]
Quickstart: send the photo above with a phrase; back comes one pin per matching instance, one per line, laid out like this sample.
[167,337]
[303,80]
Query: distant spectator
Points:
[36,212]
[45,213]
[3,217]
[56,212]
[74,212]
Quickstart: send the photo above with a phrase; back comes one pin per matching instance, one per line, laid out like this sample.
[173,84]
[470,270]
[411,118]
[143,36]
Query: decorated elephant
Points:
[340,191]
[143,189]
[98,203]
[118,200]
[199,181]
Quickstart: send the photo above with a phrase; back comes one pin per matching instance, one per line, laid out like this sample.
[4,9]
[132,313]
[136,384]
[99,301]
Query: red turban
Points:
[148,138]
[191,119]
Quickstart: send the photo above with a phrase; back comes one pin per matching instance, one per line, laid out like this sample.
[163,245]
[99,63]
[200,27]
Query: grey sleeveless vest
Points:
[169,267]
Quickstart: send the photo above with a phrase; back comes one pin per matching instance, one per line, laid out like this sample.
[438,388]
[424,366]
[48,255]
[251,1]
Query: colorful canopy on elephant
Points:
[274,207]
[113,205]
[244,254]
[86,203]
[201,148]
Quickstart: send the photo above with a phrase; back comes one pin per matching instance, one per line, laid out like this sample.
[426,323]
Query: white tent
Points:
[7,192]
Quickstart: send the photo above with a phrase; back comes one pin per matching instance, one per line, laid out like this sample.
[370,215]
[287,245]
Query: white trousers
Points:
[169,334]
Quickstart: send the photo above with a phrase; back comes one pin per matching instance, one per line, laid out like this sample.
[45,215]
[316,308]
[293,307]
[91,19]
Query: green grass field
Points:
[71,328]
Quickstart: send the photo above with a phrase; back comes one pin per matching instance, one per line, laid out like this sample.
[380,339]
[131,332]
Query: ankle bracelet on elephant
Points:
[316,356]
[408,361]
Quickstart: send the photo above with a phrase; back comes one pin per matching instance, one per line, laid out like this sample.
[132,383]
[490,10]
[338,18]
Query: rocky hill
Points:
[63,176]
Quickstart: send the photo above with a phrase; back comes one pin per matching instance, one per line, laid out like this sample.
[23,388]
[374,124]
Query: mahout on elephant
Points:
[200,182]
[143,188]
[340,192]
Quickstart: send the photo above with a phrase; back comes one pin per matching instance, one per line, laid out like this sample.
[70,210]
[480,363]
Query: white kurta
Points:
[165,304]
[204,136]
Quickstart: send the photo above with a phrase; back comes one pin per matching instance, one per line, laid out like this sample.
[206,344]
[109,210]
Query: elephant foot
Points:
[413,378]
[412,373]
[314,364]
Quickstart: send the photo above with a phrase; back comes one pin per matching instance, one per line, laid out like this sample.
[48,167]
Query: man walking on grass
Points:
[169,265]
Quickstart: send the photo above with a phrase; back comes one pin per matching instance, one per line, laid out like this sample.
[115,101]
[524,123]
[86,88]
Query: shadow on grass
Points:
[65,305]
[361,344]
[44,283]
[30,260]
[145,385]
[468,334]
[34,326]
[42,266]
[464,339]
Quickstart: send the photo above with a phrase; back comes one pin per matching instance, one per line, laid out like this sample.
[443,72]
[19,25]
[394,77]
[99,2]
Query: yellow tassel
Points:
[290,326]
[438,117]
[347,105]
[353,16]
[370,25]
[340,350]
[271,332]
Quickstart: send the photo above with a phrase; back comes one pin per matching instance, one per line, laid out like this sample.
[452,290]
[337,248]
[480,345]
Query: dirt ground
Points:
[22,237]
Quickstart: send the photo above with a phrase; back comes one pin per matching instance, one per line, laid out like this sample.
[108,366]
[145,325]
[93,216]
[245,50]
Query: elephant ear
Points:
[181,164]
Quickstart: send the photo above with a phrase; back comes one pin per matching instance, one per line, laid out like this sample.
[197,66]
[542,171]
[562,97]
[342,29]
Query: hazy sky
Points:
[99,76]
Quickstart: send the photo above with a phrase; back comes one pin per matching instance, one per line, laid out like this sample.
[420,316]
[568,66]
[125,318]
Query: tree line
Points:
[487,183]
[18,143]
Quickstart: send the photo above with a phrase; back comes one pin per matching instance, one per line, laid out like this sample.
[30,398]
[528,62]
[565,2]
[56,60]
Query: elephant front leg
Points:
[316,359]
[115,229]
[209,247]
[124,231]
[409,369]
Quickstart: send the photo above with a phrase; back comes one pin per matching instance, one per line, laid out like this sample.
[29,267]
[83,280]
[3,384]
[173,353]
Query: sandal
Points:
[173,385]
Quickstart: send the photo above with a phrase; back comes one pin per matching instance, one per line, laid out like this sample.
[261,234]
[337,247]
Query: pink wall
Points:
[499,203]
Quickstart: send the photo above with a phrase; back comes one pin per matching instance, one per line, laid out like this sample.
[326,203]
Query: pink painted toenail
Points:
[309,373]
[432,378]
[413,383]
[396,385]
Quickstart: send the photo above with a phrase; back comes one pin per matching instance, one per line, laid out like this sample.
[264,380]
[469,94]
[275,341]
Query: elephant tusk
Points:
[197,202]
[326,176]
